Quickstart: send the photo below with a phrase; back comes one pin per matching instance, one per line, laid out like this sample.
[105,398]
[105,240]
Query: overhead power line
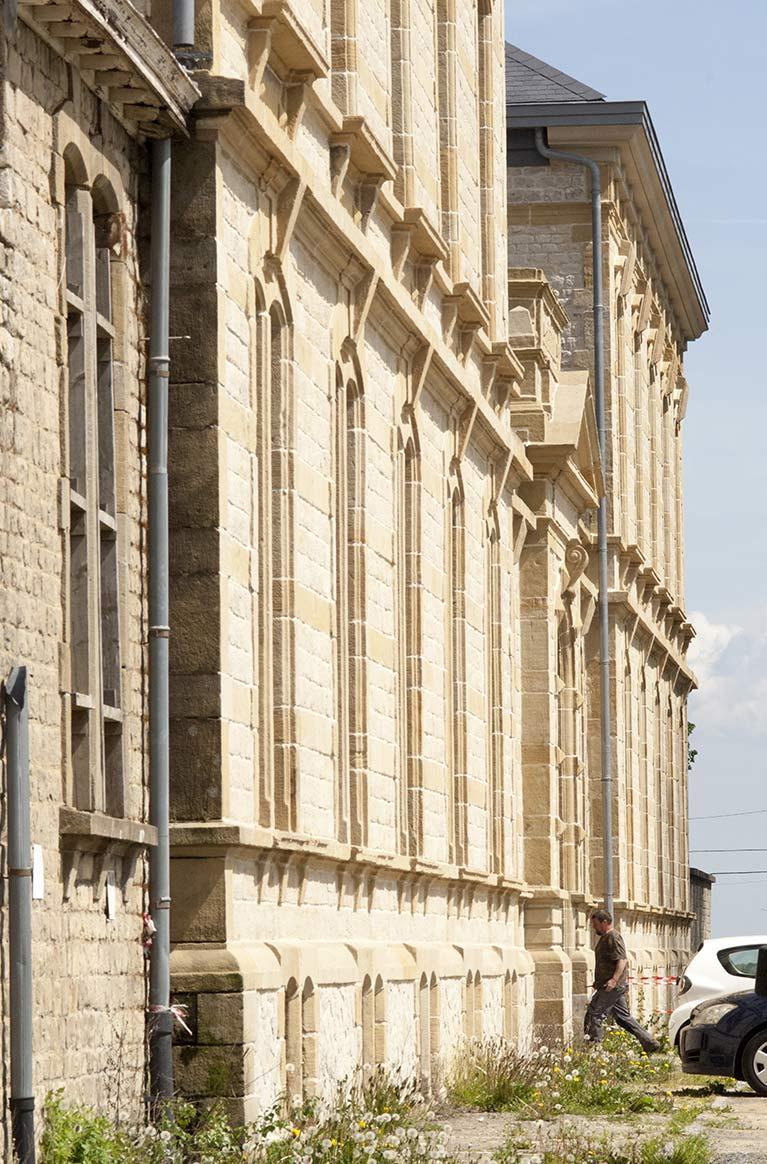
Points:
[735,872]
[723,815]
[728,850]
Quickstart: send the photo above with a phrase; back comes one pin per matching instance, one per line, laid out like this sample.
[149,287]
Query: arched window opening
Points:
[424,1033]
[284,760]
[368,1019]
[410,664]
[435,1042]
[456,616]
[661,806]
[351,682]
[293,1027]
[468,1010]
[380,1021]
[310,1038]
[494,640]
[93,239]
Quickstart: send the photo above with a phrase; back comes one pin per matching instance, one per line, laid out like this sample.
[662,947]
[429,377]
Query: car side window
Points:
[740,961]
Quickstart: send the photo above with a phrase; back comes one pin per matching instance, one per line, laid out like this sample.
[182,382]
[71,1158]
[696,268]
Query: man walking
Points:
[611,986]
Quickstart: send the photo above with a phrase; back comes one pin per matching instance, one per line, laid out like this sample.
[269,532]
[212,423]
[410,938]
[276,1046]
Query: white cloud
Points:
[711,641]
[731,664]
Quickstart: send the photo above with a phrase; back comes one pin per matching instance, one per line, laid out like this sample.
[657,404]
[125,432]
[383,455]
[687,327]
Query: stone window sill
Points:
[107,841]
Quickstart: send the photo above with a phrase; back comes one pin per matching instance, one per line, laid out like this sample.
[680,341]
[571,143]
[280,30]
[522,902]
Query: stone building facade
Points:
[384,469]
[384,474]
[654,307]
[81,89]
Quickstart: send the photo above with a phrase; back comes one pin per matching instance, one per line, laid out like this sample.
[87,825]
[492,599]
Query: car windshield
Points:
[740,960]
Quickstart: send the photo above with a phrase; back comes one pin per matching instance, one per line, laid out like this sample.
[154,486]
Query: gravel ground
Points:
[734,1124]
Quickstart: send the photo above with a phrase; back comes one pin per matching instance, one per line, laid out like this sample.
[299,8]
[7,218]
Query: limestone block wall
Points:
[549,228]
[346,694]
[88,971]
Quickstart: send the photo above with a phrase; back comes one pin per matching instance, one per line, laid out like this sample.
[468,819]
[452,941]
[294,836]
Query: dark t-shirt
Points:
[609,952]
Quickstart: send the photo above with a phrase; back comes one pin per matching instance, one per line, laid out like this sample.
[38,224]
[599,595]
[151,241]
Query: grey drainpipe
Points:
[604,613]
[160,1017]
[20,915]
[183,30]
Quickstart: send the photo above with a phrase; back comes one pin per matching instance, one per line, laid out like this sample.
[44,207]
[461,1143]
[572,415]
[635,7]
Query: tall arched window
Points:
[660,808]
[410,667]
[494,641]
[457,714]
[351,669]
[93,597]
[293,1035]
[628,762]
[281,545]
[646,807]
[675,823]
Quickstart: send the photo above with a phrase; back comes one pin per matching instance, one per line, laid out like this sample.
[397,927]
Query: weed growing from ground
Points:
[570,1146]
[384,1121]
[614,1077]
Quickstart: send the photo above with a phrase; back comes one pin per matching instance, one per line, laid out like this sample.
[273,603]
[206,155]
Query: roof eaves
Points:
[602,113]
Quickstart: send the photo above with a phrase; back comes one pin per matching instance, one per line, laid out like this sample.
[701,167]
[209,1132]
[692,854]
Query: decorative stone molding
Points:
[356,148]
[103,838]
[121,57]
[286,42]
[576,561]
[463,314]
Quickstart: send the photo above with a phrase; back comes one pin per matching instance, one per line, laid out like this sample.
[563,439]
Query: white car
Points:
[721,966]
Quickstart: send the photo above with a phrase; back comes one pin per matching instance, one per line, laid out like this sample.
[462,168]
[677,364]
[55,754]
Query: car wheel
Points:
[755,1062]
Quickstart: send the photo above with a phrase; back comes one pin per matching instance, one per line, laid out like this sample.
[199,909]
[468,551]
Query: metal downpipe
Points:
[160,1017]
[22,1101]
[183,28]
[604,611]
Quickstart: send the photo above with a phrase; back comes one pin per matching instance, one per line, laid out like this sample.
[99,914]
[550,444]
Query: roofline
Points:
[604,113]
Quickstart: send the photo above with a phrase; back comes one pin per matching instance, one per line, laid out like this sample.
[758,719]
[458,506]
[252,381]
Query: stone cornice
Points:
[623,131]
[223,838]
[121,57]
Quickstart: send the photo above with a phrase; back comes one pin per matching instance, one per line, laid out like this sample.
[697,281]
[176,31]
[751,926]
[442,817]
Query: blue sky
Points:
[699,65]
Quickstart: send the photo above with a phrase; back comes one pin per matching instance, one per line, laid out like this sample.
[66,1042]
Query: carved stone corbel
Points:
[101,861]
[127,872]
[423,277]
[367,195]
[576,561]
[340,156]
[287,207]
[419,368]
[364,294]
[259,47]
[627,274]
[463,430]
[401,243]
[297,85]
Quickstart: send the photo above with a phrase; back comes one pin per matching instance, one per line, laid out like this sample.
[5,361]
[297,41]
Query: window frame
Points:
[723,957]
[93,599]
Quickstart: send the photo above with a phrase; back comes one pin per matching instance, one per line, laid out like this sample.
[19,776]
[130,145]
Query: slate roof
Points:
[530,81]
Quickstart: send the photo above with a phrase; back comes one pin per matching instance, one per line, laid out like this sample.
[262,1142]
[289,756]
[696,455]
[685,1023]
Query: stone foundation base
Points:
[300,1018]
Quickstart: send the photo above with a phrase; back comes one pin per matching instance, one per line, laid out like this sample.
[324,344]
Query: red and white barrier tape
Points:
[665,979]
[179,1012]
